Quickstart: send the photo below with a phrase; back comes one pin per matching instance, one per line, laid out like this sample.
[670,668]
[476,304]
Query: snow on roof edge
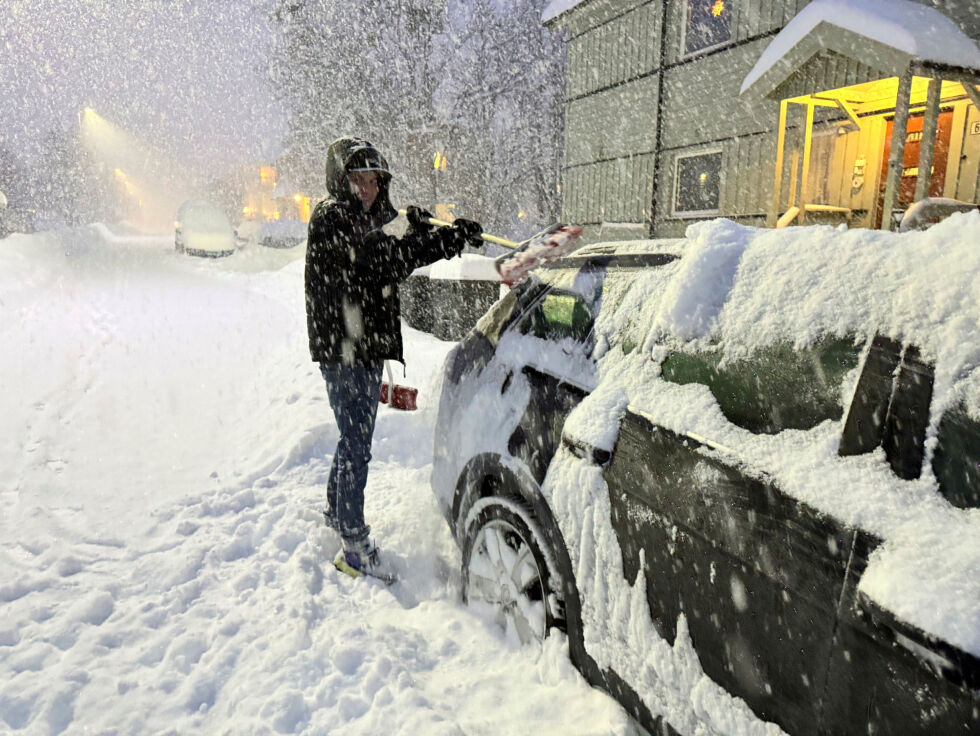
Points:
[920,31]
[557,7]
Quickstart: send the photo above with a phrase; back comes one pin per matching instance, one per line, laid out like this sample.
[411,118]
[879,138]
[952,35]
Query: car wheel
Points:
[506,573]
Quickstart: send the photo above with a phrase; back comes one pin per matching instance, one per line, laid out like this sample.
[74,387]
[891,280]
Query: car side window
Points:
[777,388]
[956,462]
[557,316]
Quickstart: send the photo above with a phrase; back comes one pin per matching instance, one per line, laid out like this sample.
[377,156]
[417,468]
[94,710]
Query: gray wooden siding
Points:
[749,166]
[701,100]
[616,122]
[613,41]
[609,191]
[590,15]
[622,49]
[751,18]
[827,70]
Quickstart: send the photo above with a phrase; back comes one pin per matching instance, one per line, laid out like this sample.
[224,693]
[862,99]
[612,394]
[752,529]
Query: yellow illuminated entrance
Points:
[834,162]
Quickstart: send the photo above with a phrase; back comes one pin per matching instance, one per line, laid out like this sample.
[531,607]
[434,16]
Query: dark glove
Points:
[468,230]
[418,219]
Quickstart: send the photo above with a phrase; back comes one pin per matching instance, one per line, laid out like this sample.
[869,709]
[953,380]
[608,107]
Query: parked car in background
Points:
[202,229]
[282,233]
[247,233]
[741,472]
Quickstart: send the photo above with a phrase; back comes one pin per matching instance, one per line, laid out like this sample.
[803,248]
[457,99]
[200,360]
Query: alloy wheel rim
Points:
[504,578]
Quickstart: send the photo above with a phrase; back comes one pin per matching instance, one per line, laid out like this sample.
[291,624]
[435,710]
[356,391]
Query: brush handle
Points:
[486,237]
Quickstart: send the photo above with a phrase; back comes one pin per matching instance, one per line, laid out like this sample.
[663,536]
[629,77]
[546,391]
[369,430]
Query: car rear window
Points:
[778,388]
[956,462]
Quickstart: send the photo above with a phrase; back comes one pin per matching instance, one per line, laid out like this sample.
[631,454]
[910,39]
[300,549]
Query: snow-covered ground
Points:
[163,564]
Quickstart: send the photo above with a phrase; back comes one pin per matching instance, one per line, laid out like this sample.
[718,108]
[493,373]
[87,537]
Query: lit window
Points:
[709,24]
[697,184]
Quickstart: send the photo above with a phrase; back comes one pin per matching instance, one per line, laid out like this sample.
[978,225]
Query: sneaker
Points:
[331,520]
[364,558]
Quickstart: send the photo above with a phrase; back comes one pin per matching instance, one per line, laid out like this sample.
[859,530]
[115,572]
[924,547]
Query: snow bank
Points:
[163,563]
[466,267]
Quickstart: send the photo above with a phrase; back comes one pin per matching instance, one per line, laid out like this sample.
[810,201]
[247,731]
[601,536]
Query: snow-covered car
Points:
[247,233]
[282,233]
[202,229]
[741,471]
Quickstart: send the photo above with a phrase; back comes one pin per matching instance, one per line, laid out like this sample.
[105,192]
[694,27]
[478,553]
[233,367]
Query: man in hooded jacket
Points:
[353,269]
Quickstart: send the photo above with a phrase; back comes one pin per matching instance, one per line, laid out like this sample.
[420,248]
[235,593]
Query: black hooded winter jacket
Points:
[353,268]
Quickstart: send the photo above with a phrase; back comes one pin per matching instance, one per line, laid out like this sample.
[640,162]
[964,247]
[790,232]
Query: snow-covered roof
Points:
[556,7]
[884,34]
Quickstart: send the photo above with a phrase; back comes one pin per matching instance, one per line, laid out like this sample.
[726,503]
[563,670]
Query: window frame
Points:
[760,408]
[697,214]
[684,54]
[526,316]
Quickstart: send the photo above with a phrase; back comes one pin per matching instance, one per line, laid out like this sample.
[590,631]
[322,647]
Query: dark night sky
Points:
[187,76]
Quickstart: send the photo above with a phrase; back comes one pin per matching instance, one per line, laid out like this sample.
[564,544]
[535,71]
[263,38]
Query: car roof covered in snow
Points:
[738,289]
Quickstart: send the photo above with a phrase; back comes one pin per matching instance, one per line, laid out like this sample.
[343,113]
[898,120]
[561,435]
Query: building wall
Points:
[638,106]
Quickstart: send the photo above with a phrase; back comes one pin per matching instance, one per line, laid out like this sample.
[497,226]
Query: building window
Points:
[697,184]
[709,24]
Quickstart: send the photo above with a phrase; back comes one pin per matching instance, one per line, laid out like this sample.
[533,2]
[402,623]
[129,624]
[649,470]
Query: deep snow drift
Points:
[163,565]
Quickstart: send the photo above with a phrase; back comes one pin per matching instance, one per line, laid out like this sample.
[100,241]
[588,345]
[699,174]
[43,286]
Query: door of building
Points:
[910,161]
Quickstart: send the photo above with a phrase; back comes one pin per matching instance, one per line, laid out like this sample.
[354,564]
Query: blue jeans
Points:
[353,391]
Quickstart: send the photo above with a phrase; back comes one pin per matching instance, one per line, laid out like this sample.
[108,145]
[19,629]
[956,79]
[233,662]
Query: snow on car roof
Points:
[746,288]
[631,247]
[743,288]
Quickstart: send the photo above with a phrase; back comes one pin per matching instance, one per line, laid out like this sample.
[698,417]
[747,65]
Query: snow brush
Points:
[549,245]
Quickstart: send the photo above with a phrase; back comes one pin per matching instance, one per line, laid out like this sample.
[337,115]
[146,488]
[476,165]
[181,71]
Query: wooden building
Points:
[770,112]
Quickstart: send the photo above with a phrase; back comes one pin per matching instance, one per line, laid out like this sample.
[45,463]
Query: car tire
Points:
[507,570]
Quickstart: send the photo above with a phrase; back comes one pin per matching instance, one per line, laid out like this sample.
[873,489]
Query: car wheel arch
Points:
[489,474]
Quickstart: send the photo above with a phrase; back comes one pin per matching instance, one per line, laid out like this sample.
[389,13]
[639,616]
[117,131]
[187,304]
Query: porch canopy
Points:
[911,49]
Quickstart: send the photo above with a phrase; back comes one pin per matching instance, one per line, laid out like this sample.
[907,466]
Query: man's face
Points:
[364,185]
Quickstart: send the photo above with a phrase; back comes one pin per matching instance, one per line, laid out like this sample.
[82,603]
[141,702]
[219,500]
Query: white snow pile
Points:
[164,567]
[556,8]
[922,32]
[740,289]
[465,267]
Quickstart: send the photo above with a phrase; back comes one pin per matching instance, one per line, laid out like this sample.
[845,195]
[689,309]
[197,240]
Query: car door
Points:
[885,675]
[757,574]
[564,321]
